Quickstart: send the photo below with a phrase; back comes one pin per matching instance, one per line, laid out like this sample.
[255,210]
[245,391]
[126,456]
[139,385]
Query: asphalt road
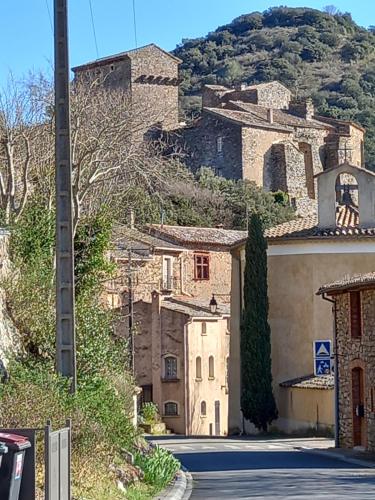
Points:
[258,468]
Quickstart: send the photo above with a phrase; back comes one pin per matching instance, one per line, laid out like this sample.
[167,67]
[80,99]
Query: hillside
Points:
[324,55]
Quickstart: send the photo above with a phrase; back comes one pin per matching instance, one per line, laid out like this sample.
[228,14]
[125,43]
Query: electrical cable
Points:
[93,29]
[49,15]
[135,25]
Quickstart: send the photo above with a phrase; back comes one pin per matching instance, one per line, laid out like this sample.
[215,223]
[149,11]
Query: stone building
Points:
[302,254]
[262,134]
[175,272]
[354,320]
[181,358]
[174,260]
[149,76]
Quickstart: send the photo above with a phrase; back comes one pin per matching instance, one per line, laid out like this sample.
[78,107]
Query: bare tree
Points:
[22,128]
[332,10]
[109,153]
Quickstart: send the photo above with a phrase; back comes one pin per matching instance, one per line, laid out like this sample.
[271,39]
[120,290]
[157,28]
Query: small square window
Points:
[170,409]
[201,267]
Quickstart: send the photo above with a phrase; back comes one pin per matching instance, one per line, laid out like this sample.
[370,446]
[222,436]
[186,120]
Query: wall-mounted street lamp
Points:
[213,305]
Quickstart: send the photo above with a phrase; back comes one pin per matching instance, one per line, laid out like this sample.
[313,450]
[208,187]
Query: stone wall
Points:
[352,353]
[256,152]
[148,276]
[200,146]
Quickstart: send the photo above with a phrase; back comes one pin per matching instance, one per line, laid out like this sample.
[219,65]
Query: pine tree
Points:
[257,401]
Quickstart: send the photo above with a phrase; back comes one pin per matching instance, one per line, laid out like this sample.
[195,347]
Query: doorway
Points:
[358,407]
[217,418]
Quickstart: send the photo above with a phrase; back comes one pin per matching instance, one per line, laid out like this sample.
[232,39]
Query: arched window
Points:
[170,368]
[203,409]
[211,367]
[170,409]
[198,368]
[204,328]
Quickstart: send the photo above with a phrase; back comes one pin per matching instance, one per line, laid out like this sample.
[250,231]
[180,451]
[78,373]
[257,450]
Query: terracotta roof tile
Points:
[310,382]
[246,119]
[347,227]
[194,307]
[280,116]
[349,282]
[197,236]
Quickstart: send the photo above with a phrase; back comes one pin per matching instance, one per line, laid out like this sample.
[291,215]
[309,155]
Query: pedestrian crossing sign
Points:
[322,349]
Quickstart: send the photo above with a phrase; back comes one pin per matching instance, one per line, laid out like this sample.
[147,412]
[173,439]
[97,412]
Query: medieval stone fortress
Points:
[263,134]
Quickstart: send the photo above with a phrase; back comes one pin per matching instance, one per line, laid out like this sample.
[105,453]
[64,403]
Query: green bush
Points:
[150,413]
[159,466]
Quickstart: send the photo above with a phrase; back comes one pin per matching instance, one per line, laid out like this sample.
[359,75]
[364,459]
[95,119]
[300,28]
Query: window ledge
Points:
[203,334]
[171,416]
[170,379]
[211,378]
[203,416]
[198,379]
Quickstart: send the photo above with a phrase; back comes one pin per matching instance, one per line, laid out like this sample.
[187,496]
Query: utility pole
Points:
[65,318]
[130,312]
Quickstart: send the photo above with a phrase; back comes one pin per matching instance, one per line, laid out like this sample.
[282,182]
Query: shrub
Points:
[159,466]
[150,413]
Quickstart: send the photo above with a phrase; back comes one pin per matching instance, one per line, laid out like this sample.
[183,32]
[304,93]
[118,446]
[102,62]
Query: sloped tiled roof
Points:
[140,243]
[120,56]
[280,116]
[194,308]
[246,119]
[197,236]
[349,282]
[323,382]
[307,227]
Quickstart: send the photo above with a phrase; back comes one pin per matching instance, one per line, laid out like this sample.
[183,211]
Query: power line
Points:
[135,25]
[49,15]
[93,29]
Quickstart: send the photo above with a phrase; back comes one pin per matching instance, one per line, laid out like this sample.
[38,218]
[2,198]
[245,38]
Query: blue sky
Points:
[26,34]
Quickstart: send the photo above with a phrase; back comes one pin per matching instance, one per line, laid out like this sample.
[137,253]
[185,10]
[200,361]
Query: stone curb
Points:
[332,454]
[180,489]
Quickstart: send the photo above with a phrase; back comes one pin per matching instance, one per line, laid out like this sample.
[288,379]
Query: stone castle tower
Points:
[150,77]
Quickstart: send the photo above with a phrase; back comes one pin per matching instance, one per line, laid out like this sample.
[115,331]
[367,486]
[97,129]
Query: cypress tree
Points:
[257,401]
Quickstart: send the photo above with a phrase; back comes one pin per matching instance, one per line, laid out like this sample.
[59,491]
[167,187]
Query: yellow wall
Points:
[214,343]
[297,317]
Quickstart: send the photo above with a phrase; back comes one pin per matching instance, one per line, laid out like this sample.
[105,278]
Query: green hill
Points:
[323,55]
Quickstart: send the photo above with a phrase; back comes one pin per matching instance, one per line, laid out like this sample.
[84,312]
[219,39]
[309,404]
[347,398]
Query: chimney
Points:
[270,115]
[302,107]
[131,218]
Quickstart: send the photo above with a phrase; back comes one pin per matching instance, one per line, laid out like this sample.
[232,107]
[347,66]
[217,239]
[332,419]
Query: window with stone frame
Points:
[355,314]
[219,144]
[170,368]
[170,409]
[198,368]
[201,266]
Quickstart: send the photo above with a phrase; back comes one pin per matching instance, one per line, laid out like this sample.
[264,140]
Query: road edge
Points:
[332,454]
[179,489]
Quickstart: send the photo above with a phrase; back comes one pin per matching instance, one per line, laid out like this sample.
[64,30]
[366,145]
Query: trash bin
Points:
[12,465]
[3,451]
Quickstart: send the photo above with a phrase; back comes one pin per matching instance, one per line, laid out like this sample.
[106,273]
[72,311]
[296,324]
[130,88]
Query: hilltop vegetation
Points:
[325,55]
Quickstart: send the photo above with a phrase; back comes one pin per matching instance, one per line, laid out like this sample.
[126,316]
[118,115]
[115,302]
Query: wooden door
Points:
[358,406]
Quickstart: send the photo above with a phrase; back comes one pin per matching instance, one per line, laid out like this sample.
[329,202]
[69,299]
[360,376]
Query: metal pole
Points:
[130,312]
[336,373]
[65,320]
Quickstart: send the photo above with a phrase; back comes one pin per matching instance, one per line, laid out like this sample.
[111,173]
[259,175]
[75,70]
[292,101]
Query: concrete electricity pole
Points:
[65,318]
